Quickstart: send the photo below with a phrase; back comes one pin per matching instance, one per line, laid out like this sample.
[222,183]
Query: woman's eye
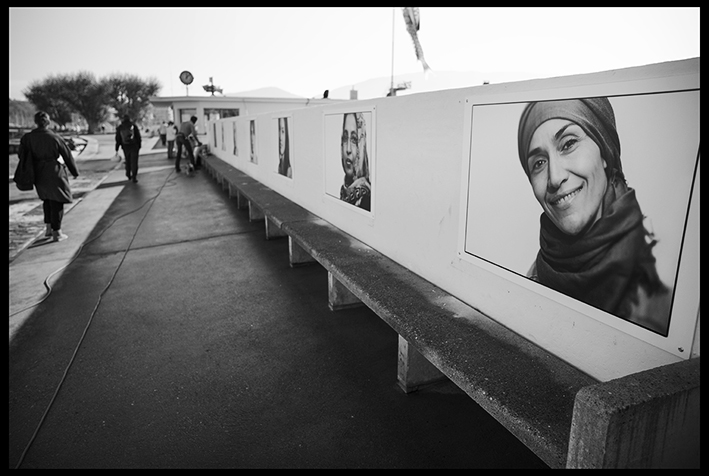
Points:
[537,164]
[569,143]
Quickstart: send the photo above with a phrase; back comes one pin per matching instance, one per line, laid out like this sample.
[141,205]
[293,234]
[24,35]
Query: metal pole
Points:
[393,17]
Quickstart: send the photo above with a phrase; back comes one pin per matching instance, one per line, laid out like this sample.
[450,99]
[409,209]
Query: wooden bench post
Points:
[339,297]
[415,371]
[297,255]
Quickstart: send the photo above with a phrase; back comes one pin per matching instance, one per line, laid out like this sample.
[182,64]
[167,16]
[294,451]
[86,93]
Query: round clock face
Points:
[186,77]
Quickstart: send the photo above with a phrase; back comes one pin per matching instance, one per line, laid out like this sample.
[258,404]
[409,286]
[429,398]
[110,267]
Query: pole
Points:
[393,18]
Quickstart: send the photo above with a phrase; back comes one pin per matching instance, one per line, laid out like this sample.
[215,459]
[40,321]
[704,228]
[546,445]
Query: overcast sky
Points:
[307,50]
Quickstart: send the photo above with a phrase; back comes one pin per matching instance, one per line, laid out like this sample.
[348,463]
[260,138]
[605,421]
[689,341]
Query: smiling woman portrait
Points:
[593,244]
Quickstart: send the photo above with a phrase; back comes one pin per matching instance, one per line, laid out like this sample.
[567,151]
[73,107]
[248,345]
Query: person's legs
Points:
[47,217]
[178,157]
[128,163]
[132,157]
[190,153]
[170,149]
[56,215]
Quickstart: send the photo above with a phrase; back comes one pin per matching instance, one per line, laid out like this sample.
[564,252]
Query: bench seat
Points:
[530,391]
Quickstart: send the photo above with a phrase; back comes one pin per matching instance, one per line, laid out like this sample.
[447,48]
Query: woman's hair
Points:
[42,119]
[594,115]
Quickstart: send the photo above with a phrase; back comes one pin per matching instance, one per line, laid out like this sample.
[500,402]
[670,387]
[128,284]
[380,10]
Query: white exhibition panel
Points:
[428,191]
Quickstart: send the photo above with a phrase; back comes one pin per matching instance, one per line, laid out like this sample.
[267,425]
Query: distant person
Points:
[162,131]
[356,188]
[186,131]
[51,158]
[170,135]
[128,137]
[200,151]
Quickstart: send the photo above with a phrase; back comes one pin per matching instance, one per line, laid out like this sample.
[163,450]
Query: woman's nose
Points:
[557,173]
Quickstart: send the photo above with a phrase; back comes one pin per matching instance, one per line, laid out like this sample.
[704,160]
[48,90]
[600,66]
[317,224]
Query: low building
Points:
[210,108]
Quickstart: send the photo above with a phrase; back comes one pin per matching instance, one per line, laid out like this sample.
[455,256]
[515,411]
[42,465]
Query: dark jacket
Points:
[44,147]
[136,136]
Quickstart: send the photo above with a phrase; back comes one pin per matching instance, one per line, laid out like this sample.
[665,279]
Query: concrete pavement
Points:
[166,332]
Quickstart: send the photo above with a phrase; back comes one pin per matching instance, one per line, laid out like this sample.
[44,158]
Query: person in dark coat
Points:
[51,158]
[128,137]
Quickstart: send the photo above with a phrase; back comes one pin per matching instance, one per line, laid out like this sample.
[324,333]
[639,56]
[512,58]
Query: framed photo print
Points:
[590,200]
[253,142]
[350,157]
[285,151]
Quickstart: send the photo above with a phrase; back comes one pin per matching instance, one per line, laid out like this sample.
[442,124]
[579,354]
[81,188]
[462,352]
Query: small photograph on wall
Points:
[253,152]
[285,164]
[235,150]
[349,157]
[588,197]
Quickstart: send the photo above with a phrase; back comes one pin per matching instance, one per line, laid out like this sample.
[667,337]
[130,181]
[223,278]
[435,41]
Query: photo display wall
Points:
[589,200]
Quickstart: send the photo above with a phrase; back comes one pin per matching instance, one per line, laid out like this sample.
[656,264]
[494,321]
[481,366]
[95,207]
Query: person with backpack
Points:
[128,137]
[52,161]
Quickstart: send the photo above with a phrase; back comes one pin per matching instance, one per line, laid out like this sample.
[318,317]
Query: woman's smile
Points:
[563,200]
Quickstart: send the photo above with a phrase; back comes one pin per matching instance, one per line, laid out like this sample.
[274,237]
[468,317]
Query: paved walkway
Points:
[166,332]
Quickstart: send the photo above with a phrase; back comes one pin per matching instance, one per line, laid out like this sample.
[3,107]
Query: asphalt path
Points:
[95,162]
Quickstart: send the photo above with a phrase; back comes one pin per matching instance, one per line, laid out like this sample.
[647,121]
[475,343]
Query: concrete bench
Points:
[528,390]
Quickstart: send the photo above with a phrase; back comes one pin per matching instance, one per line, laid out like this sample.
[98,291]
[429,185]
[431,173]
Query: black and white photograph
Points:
[253,149]
[587,196]
[349,158]
[285,165]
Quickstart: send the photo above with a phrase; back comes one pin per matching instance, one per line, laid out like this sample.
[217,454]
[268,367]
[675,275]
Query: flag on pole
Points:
[411,17]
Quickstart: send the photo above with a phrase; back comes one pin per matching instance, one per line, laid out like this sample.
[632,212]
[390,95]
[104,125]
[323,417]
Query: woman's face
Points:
[281,136]
[567,174]
[350,146]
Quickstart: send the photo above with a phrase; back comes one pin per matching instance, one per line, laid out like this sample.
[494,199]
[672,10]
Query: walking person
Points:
[51,158]
[128,137]
[187,130]
[162,131]
[170,135]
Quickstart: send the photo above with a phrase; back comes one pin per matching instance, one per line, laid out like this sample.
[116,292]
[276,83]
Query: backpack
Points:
[127,136]
[24,174]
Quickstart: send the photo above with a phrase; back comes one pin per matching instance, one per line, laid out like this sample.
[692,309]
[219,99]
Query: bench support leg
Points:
[273,230]
[415,371]
[297,255]
[233,192]
[339,297]
[255,213]
[242,203]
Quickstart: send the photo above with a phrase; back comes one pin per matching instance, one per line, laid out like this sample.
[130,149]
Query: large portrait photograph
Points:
[283,129]
[587,197]
[349,158]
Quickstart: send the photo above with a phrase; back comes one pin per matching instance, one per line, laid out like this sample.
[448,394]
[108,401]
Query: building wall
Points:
[420,149]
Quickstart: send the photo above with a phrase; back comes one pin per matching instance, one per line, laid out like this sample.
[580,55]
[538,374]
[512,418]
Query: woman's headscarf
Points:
[594,115]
